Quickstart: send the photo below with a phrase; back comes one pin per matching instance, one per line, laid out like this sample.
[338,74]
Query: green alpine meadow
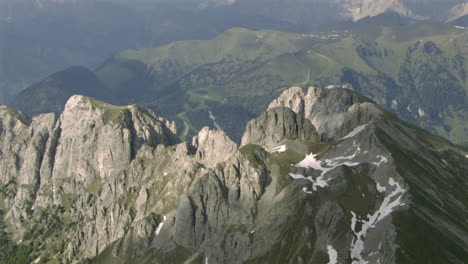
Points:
[418,72]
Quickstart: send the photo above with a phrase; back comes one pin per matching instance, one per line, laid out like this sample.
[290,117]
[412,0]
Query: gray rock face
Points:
[56,162]
[276,125]
[114,184]
[334,112]
[213,147]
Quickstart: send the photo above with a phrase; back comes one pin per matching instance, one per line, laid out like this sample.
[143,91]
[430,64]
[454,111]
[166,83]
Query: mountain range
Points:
[322,176]
[417,71]
[233,131]
[41,37]
[298,11]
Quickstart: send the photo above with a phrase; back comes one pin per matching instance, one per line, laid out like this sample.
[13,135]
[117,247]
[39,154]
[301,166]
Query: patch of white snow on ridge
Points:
[332,255]
[355,131]
[382,160]
[381,188]
[388,205]
[319,182]
[158,229]
[329,164]
[279,149]
[324,166]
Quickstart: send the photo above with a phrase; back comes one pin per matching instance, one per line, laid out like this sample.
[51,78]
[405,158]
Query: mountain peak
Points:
[79,105]
[334,112]
[213,146]
[78,101]
[279,125]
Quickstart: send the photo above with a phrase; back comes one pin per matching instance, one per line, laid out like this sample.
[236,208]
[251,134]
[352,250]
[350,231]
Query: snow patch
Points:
[158,229]
[324,166]
[332,255]
[388,205]
[382,160]
[355,131]
[306,191]
[421,112]
[381,188]
[279,149]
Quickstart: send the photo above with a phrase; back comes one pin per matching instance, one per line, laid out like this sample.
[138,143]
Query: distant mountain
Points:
[461,22]
[51,94]
[43,37]
[386,19]
[417,70]
[308,13]
[321,176]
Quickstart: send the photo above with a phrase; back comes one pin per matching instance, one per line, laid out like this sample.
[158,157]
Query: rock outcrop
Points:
[213,147]
[277,125]
[50,163]
[334,112]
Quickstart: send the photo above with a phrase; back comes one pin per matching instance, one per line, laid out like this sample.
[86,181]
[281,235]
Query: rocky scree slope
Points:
[323,176]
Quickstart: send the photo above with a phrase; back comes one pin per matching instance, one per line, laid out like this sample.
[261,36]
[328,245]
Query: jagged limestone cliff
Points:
[324,176]
[334,112]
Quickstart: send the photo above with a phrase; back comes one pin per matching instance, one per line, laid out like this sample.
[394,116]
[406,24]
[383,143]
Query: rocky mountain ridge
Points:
[323,176]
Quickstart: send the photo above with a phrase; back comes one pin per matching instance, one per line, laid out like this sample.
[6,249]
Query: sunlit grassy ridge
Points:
[419,71]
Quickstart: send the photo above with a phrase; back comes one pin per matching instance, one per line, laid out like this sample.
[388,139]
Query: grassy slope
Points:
[438,93]
[170,62]
[250,68]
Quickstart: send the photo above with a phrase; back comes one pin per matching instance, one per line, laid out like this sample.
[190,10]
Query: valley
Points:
[416,71]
